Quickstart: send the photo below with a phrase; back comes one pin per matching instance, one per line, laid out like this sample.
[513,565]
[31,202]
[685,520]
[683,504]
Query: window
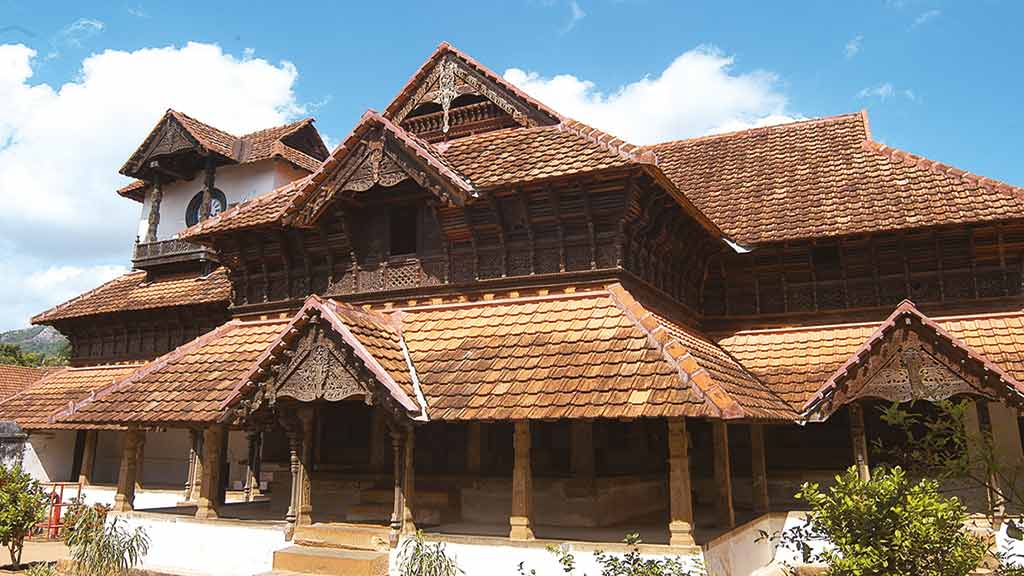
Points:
[402,223]
[218,203]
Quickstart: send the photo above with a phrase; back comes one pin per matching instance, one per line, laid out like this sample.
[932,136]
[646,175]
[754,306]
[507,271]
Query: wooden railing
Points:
[167,251]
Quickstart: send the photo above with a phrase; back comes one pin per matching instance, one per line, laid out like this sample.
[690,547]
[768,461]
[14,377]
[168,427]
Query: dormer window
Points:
[402,221]
[218,204]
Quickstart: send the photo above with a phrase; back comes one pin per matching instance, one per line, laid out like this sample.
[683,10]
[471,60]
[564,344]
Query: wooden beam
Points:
[724,511]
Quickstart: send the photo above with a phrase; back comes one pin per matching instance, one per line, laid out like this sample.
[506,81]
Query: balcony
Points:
[148,255]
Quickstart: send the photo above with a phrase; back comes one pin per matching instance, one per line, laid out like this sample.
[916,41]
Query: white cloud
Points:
[74,34]
[61,147]
[885,91]
[852,47]
[698,93]
[925,17]
[575,15]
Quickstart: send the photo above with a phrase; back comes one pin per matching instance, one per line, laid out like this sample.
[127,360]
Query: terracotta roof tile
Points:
[796,362]
[32,407]
[187,385]
[132,292]
[824,178]
[14,379]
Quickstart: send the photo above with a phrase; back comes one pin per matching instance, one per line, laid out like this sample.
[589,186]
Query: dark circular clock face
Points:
[218,203]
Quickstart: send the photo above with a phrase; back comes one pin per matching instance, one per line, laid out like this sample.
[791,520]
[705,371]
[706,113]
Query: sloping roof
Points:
[825,177]
[796,362]
[186,385]
[591,354]
[252,147]
[131,291]
[32,407]
[14,379]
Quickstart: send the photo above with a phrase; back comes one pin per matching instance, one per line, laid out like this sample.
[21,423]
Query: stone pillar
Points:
[153,221]
[724,511]
[474,448]
[88,458]
[305,508]
[680,525]
[396,475]
[409,483]
[521,522]
[991,467]
[252,468]
[758,470]
[209,490]
[860,441]
[124,500]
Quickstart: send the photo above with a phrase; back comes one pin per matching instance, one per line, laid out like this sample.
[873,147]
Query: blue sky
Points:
[941,79]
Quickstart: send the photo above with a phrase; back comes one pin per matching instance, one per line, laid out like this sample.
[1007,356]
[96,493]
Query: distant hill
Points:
[37,339]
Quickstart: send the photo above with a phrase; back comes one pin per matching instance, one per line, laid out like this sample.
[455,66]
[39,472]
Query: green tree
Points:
[887,526]
[23,504]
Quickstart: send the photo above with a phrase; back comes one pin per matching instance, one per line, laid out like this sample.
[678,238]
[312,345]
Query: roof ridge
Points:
[763,129]
[609,142]
[911,159]
[292,127]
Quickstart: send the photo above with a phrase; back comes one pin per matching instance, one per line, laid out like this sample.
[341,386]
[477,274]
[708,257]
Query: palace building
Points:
[483,319]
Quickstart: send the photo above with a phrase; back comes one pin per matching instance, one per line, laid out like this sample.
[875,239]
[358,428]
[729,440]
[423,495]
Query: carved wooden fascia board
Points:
[168,137]
[451,77]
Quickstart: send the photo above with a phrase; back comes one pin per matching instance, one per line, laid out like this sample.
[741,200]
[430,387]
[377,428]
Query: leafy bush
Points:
[887,526]
[74,510]
[42,569]
[419,558]
[23,504]
[101,548]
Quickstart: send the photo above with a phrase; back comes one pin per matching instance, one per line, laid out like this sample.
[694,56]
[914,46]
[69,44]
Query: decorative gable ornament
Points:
[167,138]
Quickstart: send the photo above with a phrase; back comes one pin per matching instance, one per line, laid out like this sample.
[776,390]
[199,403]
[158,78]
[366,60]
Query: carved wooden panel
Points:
[320,369]
[913,374]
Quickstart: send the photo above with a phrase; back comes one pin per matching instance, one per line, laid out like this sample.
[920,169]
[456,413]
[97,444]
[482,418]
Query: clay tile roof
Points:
[213,139]
[515,155]
[136,190]
[187,385]
[14,379]
[580,355]
[797,362]
[822,178]
[265,209]
[132,292]
[32,407]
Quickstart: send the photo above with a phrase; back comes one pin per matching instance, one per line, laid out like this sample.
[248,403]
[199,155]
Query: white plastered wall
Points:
[238,183]
[50,455]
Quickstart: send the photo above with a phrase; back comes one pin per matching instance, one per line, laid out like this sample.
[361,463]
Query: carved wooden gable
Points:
[169,137]
[320,368]
[377,159]
[451,77]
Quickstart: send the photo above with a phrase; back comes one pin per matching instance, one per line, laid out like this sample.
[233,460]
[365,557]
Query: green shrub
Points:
[42,569]
[23,504]
[887,526]
[419,558]
[101,548]
[629,564]
[74,510]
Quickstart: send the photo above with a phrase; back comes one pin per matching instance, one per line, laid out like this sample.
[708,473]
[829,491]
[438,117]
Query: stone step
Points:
[349,536]
[428,498]
[313,560]
[381,512]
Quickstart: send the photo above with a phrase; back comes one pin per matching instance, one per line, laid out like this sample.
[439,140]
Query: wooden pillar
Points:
[294,449]
[521,522]
[124,500]
[88,457]
[140,459]
[860,441]
[758,470]
[396,469]
[195,455]
[153,220]
[582,451]
[210,172]
[252,468]
[997,505]
[409,483]
[305,508]
[209,489]
[680,525]
[379,440]
[474,448]
[724,511]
